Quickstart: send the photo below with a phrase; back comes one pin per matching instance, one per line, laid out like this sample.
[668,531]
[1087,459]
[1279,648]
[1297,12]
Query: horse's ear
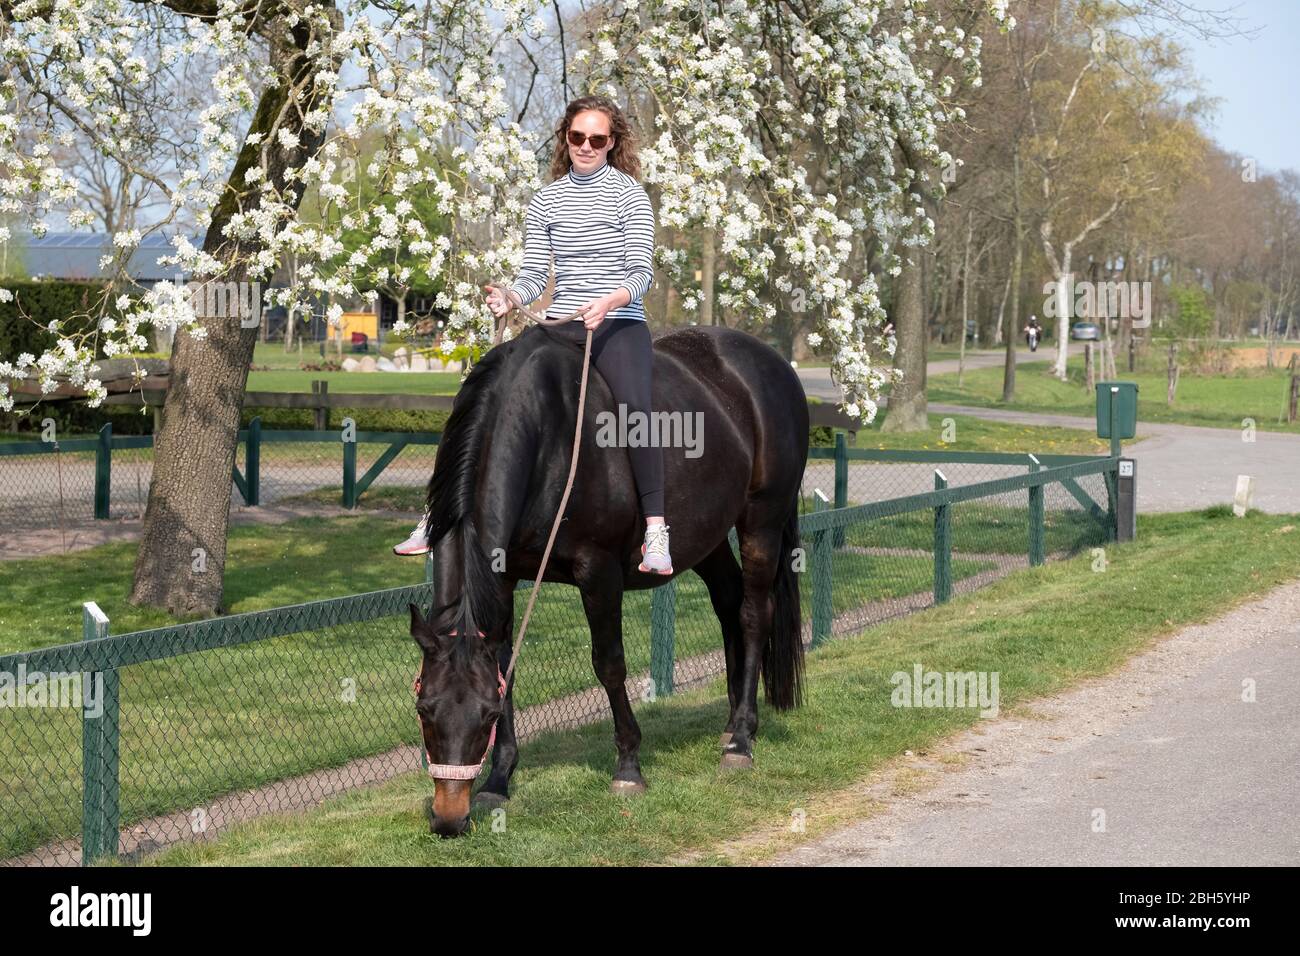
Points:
[420,629]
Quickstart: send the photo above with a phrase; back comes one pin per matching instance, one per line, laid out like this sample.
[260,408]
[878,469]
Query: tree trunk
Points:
[1125,332]
[292,314]
[1013,320]
[1171,385]
[907,406]
[999,332]
[965,301]
[1064,305]
[181,560]
[706,278]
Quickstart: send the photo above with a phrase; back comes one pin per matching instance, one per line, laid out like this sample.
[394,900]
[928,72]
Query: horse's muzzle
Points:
[450,809]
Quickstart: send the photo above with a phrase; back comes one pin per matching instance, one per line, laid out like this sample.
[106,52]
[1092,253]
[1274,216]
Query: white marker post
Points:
[1245,495]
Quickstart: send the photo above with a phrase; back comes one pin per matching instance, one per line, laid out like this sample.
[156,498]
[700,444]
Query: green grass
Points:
[205,724]
[278,371]
[267,566]
[1040,629]
[975,434]
[358,383]
[1219,401]
[982,527]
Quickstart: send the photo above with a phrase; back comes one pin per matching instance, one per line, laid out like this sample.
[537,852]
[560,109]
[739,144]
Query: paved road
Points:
[1179,467]
[1162,763]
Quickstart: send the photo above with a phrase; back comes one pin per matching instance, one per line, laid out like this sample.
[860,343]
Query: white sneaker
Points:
[654,552]
[417,543]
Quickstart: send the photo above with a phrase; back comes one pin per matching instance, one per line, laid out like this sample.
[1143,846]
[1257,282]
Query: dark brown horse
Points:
[497,482]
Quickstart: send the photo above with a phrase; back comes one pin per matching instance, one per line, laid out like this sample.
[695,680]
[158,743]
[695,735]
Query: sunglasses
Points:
[597,142]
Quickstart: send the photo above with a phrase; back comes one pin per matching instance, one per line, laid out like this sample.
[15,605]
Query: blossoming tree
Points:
[746,92]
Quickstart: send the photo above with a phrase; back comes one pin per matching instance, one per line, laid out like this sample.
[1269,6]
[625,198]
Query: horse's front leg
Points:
[505,753]
[600,580]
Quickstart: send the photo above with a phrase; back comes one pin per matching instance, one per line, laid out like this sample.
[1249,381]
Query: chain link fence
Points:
[64,485]
[117,746]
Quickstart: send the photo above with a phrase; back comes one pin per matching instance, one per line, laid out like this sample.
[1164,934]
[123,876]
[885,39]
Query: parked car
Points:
[1085,332]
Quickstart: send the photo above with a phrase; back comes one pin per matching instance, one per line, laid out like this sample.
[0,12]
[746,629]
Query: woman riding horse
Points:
[597,221]
[499,477]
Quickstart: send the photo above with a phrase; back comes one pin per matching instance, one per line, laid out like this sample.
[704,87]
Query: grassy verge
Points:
[975,434]
[1041,629]
[1219,401]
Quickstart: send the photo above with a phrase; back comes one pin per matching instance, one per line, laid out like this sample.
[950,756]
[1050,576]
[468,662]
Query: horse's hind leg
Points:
[601,584]
[505,753]
[721,575]
[760,552]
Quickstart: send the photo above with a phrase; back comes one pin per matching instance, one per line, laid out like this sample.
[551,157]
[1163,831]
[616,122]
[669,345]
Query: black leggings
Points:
[620,351]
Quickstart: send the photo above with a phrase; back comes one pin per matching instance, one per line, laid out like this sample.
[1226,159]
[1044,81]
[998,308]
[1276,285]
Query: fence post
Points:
[1115,446]
[1037,523]
[349,467]
[320,389]
[1112,501]
[1126,501]
[823,576]
[841,481]
[253,461]
[663,631]
[103,471]
[942,544]
[99,750]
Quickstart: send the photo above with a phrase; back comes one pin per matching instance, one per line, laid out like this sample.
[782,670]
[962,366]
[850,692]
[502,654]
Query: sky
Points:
[1256,78]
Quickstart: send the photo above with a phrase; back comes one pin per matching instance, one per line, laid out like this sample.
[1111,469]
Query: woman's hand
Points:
[500,302]
[597,309]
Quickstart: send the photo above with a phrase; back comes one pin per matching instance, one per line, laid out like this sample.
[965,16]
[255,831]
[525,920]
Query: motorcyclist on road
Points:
[1033,333]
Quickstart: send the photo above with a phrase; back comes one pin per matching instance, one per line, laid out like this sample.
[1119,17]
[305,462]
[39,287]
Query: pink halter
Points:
[462,771]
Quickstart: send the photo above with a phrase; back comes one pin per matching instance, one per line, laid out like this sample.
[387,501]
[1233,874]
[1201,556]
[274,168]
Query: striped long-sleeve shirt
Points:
[600,228]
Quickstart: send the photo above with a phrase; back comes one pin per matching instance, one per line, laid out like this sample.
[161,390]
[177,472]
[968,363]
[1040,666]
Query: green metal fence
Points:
[140,740]
[69,482]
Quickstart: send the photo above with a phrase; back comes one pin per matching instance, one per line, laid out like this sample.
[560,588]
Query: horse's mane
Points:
[449,505]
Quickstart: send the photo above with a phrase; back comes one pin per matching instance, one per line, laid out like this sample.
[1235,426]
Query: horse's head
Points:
[458,700]
[470,512]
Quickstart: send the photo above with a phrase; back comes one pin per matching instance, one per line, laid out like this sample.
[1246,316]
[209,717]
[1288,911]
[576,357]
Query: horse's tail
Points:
[783,654]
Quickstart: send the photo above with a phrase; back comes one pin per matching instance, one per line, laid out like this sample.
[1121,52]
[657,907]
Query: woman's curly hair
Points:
[622,157]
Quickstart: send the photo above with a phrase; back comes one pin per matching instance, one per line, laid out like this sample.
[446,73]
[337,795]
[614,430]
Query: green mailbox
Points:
[1117,402]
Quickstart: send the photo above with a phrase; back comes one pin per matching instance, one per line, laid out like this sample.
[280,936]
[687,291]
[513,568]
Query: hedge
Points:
[43,301]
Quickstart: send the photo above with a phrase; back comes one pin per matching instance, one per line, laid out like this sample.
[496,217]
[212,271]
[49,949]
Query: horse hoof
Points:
[627,788]
[732,761]
[489,800]
[725,738]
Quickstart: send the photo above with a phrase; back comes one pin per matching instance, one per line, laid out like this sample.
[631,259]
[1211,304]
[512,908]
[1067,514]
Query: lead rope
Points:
[573,460]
